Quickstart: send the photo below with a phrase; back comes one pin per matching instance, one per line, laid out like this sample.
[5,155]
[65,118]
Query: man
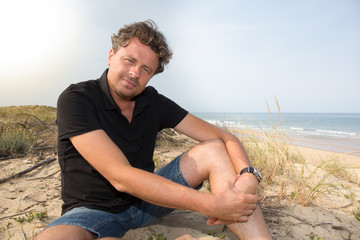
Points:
[107,131]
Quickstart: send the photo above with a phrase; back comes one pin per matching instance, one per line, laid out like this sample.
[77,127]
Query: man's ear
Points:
[111,55]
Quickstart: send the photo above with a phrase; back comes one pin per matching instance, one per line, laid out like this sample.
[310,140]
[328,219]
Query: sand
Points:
[330,216]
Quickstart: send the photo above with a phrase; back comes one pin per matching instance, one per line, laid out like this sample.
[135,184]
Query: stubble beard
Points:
[121,93]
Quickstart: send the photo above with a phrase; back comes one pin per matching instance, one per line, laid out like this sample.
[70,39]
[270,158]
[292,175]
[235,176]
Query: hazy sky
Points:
[229,56]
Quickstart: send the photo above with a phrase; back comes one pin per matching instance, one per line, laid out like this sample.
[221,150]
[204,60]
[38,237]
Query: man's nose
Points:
[135,71]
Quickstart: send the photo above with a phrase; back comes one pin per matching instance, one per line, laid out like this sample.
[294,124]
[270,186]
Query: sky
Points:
[229,55]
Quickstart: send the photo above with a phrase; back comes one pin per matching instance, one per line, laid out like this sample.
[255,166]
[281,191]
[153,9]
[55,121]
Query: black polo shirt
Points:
[88,106]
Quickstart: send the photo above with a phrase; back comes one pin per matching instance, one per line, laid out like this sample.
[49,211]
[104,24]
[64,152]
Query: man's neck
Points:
[127,108]
[126,105]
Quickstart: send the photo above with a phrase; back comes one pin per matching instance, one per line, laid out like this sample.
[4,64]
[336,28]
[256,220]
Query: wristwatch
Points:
[252,170]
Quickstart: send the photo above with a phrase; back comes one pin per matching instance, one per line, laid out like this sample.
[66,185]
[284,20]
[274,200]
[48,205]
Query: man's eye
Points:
[129,60]
[146,70]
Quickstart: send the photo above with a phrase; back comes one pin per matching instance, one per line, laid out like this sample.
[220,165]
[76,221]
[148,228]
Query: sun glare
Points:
[31,32]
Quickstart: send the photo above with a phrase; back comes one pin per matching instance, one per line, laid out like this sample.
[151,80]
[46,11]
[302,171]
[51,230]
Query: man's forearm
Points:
[240,160]
[161,191]
[236,151]
[157,190]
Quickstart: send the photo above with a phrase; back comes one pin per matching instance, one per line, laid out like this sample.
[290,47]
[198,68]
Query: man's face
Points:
[130,69]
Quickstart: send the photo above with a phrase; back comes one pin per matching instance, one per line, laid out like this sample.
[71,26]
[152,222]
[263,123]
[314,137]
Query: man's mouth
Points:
[130,82]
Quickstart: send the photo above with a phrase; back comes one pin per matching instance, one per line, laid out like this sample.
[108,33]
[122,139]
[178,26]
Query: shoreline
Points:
[334,144]
[348,145]
[316,156]
[339,132]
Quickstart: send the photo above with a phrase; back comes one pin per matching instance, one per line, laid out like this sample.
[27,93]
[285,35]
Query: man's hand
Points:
[244,186]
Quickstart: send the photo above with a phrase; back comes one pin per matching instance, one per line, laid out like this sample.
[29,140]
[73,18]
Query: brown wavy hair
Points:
[149,35]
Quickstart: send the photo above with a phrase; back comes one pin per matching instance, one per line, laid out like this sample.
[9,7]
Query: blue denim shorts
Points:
[105,224]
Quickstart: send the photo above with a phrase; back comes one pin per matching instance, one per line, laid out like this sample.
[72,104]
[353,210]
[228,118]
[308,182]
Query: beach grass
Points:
[15,142]
[282,164]
[24,127]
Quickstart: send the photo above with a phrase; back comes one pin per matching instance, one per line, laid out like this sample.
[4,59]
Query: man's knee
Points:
[198,162]
[204,153]
[211,147]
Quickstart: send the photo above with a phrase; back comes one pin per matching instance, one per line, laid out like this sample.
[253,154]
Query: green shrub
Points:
[15,142]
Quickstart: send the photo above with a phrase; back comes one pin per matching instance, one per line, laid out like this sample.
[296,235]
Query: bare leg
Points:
[111,238]
[65,232]
[210,160]
[186,237]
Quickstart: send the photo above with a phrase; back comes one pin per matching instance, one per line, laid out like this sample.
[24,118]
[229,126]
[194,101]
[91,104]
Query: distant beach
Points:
[337,132]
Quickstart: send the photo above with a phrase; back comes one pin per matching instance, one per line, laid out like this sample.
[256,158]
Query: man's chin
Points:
[126,95]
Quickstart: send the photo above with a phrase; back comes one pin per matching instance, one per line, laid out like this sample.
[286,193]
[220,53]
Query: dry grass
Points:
[273,154]
[282,165]
[24,128]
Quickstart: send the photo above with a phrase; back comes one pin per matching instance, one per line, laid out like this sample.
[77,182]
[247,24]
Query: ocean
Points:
[338,132]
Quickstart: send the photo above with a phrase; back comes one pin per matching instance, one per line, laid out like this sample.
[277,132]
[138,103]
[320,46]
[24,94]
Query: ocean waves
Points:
[330,131]
[317,132]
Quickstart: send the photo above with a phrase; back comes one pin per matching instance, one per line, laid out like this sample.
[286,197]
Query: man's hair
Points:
[148,35]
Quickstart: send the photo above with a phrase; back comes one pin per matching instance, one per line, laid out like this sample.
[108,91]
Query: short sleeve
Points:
[170,113]
[76,112]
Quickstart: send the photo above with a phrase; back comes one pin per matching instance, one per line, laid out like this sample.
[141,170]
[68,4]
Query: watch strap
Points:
[247,169]
[253,171]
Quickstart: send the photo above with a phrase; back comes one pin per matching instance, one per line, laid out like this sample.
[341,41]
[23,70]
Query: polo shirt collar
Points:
[109,101]
[141,100]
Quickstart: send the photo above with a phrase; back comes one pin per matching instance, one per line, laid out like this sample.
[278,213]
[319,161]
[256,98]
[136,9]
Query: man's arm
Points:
[200,130]
[99,150]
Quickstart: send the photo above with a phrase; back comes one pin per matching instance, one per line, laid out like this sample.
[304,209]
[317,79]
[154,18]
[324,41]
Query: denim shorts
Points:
[105,224]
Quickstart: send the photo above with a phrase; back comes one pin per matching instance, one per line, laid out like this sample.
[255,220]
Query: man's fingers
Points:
[212,221]
[216,222]
[234,207]
[252,198]
[252,206]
